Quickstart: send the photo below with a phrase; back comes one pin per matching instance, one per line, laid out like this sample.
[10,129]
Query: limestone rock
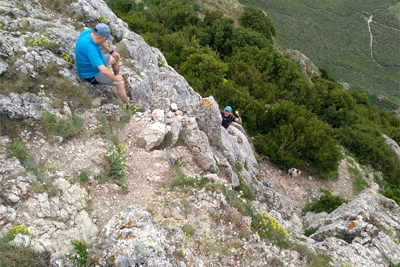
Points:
[154,134]
[197,142]
[133,238]
[21,240]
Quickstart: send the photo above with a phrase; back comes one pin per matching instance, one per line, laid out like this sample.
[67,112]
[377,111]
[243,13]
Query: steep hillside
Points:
[356,42]
[86,181]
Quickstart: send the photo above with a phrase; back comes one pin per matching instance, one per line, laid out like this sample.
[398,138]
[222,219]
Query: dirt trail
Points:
[371,36]
[303,190]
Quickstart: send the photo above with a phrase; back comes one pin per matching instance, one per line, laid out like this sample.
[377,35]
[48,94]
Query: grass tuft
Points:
[65,127]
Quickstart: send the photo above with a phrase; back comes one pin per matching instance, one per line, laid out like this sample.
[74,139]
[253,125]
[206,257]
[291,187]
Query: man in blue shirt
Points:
[228,117]
[92,65]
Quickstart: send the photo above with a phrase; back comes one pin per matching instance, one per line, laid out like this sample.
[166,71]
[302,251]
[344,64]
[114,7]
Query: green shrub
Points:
[326,202]
[19,229]
[43,42]
[269,229]
[17,149]
[185,179]
[188,229]
[310,231]
[141,142]
[245,190]
[26,26]
[84,175]
[393,194]
[123,51]
[65,127]
[80,253]
[43,183]
[78,17]
[116,163]
[296,137]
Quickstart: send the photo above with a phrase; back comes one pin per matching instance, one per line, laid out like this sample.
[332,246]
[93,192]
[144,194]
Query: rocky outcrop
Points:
[392,144]
[25,106]
[133,238]
[308,67]
[362,232]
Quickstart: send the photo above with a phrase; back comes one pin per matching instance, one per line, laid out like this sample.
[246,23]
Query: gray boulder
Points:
[198,144]
[133,238]
[361,232]
[153,134]
[24,106]
[393,145]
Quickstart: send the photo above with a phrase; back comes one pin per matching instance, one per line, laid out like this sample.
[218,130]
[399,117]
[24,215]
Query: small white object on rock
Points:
[174,107]
[310,178]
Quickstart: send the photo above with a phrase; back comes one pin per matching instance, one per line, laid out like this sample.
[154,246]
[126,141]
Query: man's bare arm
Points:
[238,119]
[116,55]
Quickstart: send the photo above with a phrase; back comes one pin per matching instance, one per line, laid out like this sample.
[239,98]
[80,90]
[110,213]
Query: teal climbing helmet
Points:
[228,108]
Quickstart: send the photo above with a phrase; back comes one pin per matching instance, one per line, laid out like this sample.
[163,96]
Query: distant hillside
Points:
[335,36]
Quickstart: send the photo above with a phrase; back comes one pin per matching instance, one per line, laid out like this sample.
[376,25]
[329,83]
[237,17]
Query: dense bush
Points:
[326,202]
[293,136]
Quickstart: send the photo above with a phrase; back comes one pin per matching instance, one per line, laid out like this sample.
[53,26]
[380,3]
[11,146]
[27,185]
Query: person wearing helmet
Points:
[228,117]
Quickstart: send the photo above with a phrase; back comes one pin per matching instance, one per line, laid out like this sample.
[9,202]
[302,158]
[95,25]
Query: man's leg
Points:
[121,91]
[114,64]
[119,85]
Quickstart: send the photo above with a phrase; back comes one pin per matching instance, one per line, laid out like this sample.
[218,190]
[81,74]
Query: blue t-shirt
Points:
[88,56]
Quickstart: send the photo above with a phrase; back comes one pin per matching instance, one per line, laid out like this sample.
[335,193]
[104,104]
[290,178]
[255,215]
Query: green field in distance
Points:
[335,36]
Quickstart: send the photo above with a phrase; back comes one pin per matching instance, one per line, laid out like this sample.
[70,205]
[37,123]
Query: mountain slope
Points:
[335,36]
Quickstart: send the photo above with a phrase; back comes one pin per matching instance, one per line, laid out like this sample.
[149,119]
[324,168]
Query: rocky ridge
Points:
[356,232]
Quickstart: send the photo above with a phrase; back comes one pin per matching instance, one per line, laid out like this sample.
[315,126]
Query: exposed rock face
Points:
[24,106]
[356,232]
[155,84]
[392,144]
[308,67]
[359,232]
[133,238]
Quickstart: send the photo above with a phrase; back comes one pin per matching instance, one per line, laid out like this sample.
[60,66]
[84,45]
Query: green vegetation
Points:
[335,36]
[245,190]
[80,253]
[65,126]
[115,162]
[17,149]
[359,183]
[183,179]
[20,256]
[318,259]
[9,127]
[188,229]
[269,228]
[305,121]
[395,10]
[326,202]
[48,80]
[84,175]
[310,231]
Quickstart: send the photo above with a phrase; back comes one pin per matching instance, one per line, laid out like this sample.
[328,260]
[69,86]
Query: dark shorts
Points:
[100,78]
